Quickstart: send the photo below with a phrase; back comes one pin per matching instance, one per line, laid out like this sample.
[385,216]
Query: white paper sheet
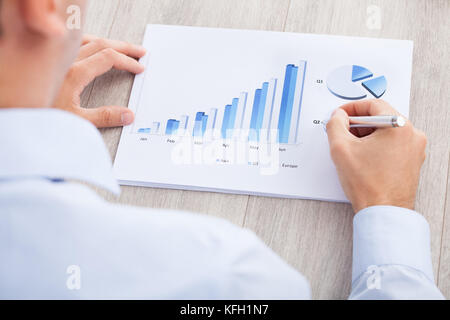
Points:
[191,70]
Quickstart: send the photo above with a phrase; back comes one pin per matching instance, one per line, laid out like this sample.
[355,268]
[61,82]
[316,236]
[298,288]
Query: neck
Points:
[25,79]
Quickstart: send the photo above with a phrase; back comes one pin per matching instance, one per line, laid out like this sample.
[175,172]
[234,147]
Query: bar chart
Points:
[241,111]
[233,125]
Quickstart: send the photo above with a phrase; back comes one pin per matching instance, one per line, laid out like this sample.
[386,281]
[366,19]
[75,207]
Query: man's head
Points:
[36,49]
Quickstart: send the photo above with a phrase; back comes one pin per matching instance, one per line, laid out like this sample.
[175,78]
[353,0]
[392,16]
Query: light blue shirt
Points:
[59,239]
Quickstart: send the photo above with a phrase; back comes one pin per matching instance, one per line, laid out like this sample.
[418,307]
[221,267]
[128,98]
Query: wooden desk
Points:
[314,237]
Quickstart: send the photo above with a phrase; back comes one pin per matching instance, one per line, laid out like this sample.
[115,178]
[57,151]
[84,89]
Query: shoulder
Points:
[161,253]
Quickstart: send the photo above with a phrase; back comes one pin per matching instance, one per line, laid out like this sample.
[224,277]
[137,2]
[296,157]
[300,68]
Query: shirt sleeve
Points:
[391,255]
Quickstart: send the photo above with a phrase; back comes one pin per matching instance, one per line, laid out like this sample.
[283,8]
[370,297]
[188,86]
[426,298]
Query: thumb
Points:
[338,126]
[109,116]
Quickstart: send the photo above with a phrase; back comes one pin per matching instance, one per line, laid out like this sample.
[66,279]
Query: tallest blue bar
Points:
[287,102]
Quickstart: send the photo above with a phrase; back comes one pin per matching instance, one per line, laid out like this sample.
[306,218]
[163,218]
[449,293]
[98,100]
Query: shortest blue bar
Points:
[144,130]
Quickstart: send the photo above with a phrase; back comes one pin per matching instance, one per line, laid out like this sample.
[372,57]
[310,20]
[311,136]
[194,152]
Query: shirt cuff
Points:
[386,235]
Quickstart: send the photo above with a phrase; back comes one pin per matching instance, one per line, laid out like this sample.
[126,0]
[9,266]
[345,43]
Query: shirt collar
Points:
[53,144]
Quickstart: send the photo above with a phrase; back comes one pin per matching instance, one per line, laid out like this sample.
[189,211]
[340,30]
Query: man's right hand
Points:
[376,167]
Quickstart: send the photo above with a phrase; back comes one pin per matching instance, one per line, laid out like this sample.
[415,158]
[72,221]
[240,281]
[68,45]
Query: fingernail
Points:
[127,118]
[141,48]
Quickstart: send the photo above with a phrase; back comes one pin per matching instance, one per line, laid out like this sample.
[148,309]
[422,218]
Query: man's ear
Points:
[42,17]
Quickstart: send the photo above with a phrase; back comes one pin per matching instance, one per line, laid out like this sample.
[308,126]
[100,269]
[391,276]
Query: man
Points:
[58,239]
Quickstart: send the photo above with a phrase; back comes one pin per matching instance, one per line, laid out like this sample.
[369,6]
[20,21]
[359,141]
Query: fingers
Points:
[369,108]
[374,107]
[338,128]
[98,56]
[92,45]
[108,117]
[422,143]
[84,71]
[88,38]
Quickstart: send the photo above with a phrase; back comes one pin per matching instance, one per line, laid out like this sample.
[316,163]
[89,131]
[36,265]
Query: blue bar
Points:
[199,116]
[229,119]
[261,109]
[169,128]
[176,125]
[185,124]
[232,120]
[301,100]
[254,119]
[272,103]
[213,118]
[144,130]
[155,128]
[204,123]
[287,101]
[244,106]
[172,126]
[226,119]
[284,98]
[198,124]
[287,122]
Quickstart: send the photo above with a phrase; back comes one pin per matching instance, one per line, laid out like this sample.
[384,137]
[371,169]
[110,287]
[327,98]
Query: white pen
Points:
[377,122]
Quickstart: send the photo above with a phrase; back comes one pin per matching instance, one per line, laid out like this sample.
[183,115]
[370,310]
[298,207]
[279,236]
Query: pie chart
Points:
[352,82]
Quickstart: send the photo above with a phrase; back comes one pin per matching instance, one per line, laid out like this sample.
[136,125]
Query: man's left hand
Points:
[96,57]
